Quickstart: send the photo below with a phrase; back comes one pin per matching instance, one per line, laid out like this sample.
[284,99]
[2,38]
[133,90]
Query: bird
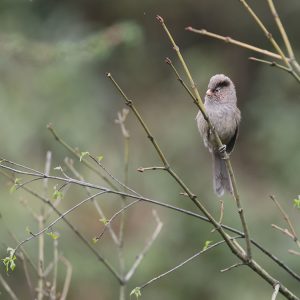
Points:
[224,115]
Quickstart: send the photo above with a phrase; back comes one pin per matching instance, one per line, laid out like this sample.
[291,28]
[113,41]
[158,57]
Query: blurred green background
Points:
[53,60]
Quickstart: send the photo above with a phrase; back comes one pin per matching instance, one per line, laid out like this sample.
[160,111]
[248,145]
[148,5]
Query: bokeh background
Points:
[53,60]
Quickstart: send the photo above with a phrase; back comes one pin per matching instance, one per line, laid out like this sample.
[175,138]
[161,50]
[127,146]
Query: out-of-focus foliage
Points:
[53,60]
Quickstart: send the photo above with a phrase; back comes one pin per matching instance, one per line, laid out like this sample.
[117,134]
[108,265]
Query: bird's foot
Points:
[222,152]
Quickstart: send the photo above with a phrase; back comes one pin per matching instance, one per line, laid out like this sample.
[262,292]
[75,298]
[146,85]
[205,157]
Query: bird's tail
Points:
[221,177]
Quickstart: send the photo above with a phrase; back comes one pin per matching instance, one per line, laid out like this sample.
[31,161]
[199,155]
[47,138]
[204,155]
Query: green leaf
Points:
[206,244]
[9,261]
[95,240]
[57,194]
[136,292]
[82,155]
[53,235]
[297,202]
[100,157]
[58,168]
[104,221]
[27,229]
[15,185]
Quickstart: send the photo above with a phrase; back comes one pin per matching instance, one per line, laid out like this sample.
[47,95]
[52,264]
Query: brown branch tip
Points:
[168,61]
[159,19]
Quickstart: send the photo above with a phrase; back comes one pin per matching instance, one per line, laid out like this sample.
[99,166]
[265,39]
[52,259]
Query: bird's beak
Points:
[209,92]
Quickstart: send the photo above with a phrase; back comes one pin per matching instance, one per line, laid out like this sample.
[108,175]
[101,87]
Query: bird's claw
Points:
[222,152]
[222,149]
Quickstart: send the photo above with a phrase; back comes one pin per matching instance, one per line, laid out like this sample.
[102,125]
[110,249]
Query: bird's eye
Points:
[217,89]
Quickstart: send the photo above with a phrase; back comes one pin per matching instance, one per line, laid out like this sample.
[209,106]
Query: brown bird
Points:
[224,115]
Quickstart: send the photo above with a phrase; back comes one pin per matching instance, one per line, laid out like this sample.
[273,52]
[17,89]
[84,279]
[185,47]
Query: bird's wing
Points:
[231,143]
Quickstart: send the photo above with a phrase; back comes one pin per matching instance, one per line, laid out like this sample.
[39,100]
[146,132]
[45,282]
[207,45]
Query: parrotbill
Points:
[221,108]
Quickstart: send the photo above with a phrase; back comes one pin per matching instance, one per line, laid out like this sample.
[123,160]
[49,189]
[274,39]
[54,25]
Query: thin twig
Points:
[70,165]
[55,268]
[271,63]
[230,40]
[150,169]
[148,245]
[282,30]
[77,154]
[284,231]
[182,263]
[68,278]
[27,276]
[232,267]
[270,38]
[276,290]
[98,237]
[7,288]
[122,116]
[294,252]
[285,217]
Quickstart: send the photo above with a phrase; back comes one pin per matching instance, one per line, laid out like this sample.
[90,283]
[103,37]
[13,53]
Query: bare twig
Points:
[270,38]
[114,216]
[276,290]
[7,288]
[286,218]
[55,268]
[232,267]
[67,278]
[182,264]
[294,252]
[284,231]
[148,245]
[281,29]
[151,169]
[270,63]
[77,154]
[230,40]
[70,164]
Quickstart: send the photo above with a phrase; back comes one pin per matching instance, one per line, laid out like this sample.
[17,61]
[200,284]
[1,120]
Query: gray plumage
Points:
[220,106]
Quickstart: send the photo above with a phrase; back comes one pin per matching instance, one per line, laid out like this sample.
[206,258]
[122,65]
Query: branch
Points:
[182,263]
[148,245]
[230,40]
[76,153]
[218,140]
[282,30]
[147,200]
[7,288]
[67,278]
[70,164]
[276,290]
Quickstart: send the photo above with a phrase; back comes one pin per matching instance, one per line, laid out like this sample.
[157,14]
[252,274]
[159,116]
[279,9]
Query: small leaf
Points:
[104,221]
[53,235]
[297,202]
[95,240]
[82,155]
[15,185]
[136,292]
[27,229]
[9,261]
[100,157]
[57,194]
[206,244]
[58,168]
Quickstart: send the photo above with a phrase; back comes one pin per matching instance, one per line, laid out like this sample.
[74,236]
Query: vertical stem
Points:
[282,30]
[41,242]
[200,105]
